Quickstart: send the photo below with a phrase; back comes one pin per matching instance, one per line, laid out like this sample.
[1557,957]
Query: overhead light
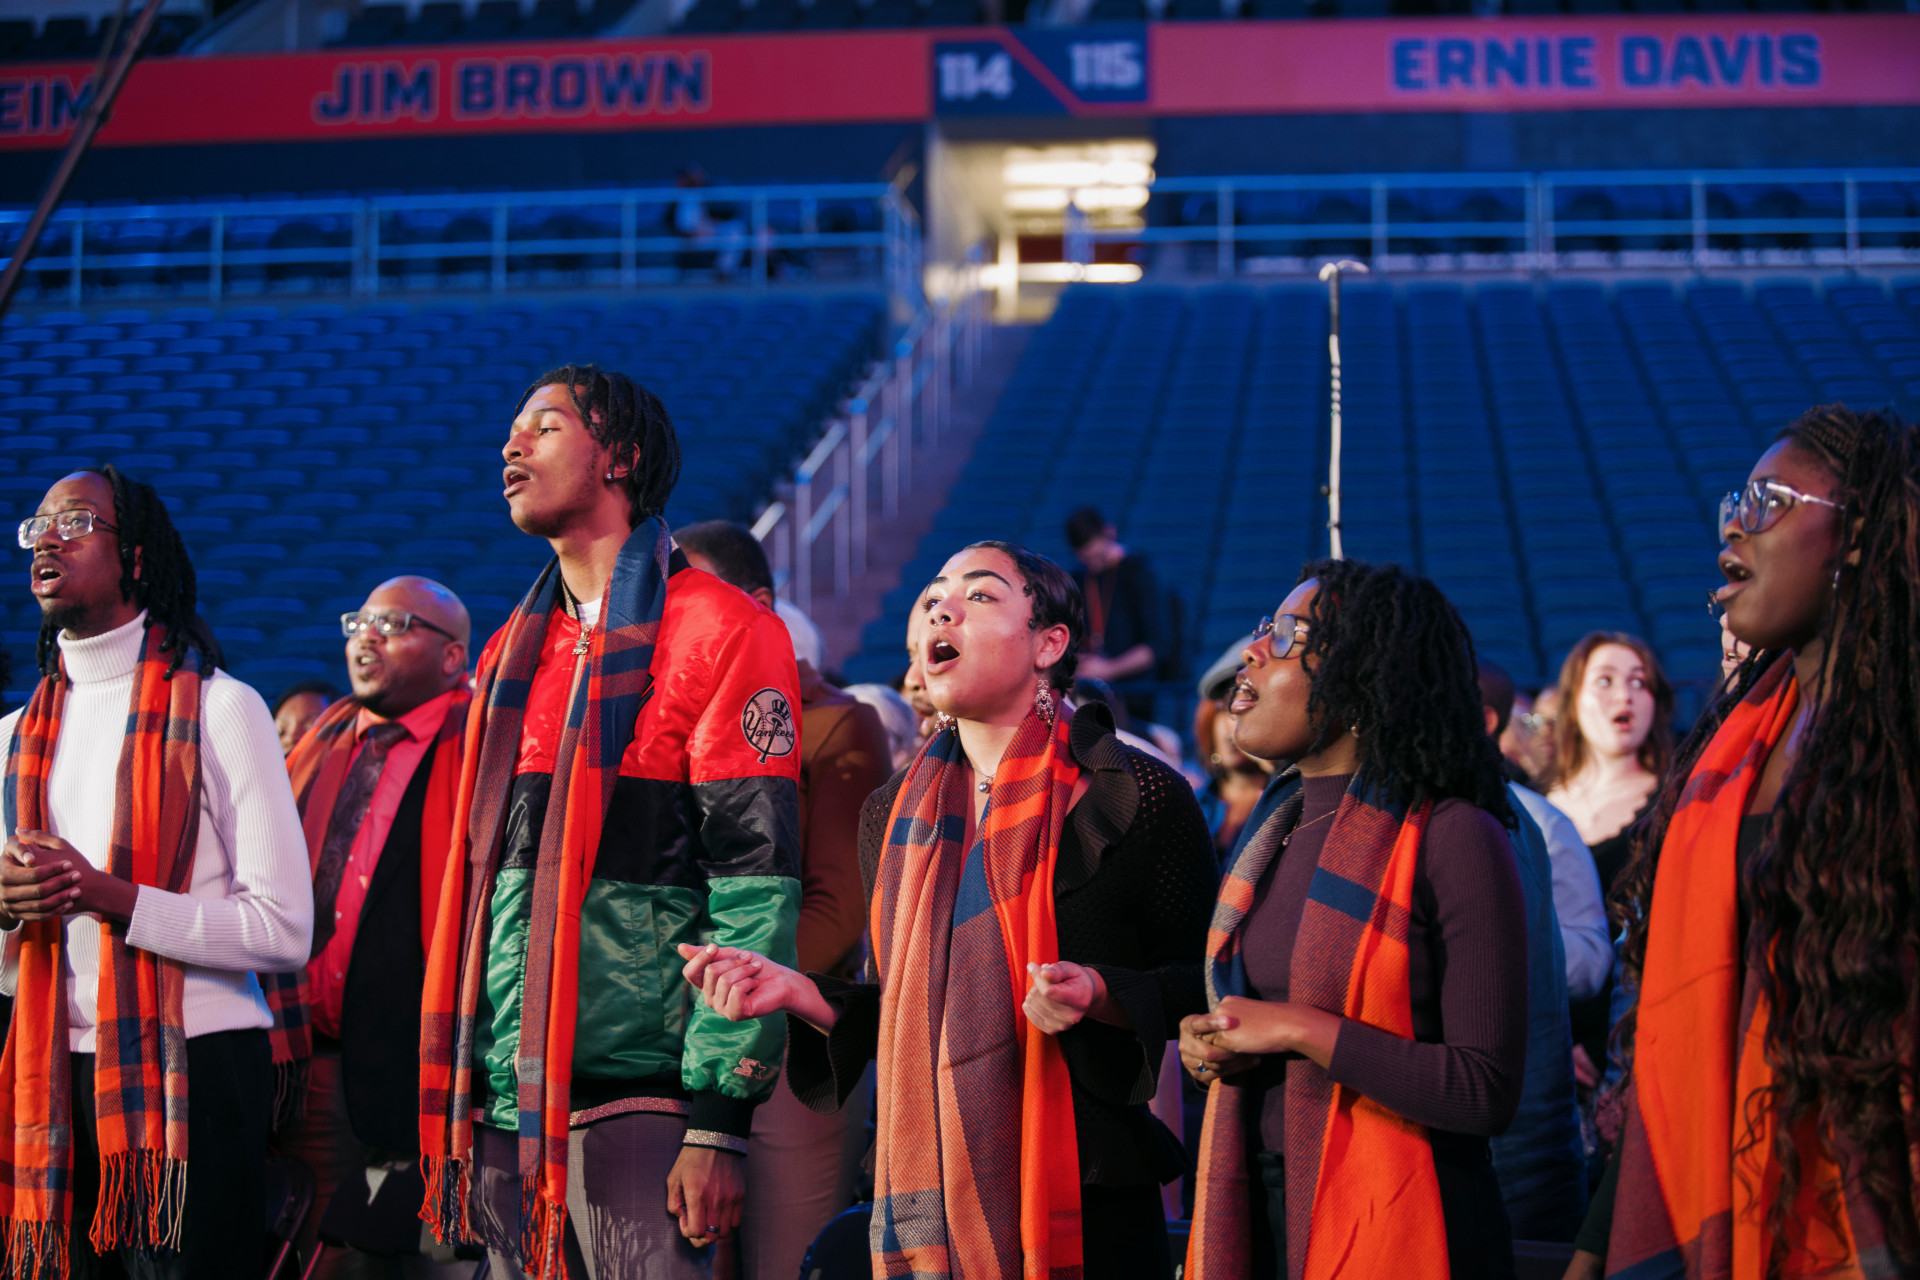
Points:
[1070,272]
[1054,173]
[1126,173]
[1128,198]
[1037,200]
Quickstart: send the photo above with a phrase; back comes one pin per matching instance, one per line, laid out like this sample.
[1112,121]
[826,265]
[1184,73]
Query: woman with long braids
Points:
[1039,908]
[1368,955]
[1773,903]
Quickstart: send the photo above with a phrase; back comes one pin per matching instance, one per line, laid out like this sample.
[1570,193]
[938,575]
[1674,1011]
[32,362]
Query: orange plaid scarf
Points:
[611,684]
[318,767]
[976,1170]
[1363,1200]
[140,1063]
[1696,1181]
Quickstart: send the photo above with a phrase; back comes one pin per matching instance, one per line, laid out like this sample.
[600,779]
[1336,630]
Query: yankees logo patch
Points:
[768,724]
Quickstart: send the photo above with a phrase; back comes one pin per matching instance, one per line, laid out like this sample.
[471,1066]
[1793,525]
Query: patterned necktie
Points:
[349,811]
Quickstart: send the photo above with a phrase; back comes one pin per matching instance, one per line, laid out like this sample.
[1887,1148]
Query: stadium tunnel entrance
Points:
[1046,214]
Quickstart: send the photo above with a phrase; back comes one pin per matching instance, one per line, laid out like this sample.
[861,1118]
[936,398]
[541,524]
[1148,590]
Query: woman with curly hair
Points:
[1368,955]
[1773,902]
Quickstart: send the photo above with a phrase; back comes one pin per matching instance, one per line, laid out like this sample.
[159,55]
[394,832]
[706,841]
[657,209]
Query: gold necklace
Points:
[1303,826]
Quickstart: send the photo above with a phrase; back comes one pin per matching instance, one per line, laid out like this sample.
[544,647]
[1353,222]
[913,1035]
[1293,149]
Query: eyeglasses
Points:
[1759,504]
[1293,629]
[1534,722]
[391,622]
[1715,609]
[68,524]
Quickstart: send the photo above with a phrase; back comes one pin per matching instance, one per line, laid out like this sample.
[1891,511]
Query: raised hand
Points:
[739,984]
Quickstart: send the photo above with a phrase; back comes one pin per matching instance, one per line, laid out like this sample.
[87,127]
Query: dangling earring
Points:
[1043,700]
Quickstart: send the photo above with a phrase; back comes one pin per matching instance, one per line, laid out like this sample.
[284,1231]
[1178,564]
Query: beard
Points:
[65,615]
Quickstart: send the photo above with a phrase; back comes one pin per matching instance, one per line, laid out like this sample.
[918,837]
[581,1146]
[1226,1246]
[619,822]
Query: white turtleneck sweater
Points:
[249,904]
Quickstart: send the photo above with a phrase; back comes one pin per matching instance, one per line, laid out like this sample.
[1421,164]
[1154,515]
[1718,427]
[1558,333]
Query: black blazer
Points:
[1133,895]
[380,1010]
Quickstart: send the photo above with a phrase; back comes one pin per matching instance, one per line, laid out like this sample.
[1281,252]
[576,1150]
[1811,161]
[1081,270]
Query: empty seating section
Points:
[450,21]
[310,453]
[1552,456]
[73,37]
[714,16]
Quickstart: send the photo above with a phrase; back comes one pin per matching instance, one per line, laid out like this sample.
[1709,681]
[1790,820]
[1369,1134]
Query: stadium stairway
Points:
[1551,454]
[311,452]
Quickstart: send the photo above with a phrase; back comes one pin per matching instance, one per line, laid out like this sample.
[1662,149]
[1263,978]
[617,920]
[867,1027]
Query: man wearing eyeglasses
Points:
[375,779]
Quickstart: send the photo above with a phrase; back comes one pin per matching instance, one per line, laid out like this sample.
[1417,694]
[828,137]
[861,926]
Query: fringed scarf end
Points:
[445,1208]
[36,1250]
[545,1230]
[143,1202]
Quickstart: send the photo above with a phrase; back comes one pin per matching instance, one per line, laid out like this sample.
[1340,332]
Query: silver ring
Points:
[712,1229]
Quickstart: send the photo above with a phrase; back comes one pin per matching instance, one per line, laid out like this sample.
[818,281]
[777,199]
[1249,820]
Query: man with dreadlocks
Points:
[1773,904]
[153,864]
[629,784]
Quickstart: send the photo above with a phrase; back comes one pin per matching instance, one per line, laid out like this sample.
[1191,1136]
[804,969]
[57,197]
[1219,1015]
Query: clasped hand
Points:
[42,876]
[1237,1034]
[739,984]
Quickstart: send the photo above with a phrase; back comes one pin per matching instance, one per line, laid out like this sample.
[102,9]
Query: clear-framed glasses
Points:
[77,523]
[387,622]
[1534,722]
[1283,634]
[1758,504]
[1715,609]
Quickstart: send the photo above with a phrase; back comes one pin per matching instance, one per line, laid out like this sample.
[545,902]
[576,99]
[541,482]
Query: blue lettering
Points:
[1407,69]
[1800,58]
[523,87]
[1453,60]
[476,88]
[1640,61]
[1543,62]
[1576,62]
[10,107]
[37,105]
[342,105]
[1732,65]
[685,80]
[366,92]
[619,81]
[1689,61]
[568,92]
[66,105]
[1510,62]
[401,96]
[1766,60]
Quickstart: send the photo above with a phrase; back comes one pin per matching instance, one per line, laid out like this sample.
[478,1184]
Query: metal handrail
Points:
[1536,237]
[866,454]
[365,246]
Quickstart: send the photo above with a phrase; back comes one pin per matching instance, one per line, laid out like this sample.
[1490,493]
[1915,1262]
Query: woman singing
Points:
[1774,903]
[1039,903]
[1368,953]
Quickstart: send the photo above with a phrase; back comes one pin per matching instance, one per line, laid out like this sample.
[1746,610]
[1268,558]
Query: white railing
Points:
[819,523]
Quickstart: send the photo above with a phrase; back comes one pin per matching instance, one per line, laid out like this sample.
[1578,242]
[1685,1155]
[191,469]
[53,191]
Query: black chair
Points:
[290,1191]
[841,1251]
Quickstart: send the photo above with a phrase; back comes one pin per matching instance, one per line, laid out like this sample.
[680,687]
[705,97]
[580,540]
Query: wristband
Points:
[715,1140]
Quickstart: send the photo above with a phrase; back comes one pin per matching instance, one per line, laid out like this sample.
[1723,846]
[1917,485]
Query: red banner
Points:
[1189,69]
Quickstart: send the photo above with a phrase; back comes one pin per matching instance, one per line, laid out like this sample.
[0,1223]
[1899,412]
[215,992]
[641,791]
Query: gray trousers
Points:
[618,1226]
[801,1168]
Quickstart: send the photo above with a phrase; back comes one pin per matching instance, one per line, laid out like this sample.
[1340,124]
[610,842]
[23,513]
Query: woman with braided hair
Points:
[1773,899]
[1368,956]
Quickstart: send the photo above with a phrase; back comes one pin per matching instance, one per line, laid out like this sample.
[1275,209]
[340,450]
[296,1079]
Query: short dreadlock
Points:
[628,419]
[166,587]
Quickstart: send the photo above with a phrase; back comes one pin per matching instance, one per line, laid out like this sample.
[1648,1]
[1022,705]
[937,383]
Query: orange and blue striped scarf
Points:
[610,686]
[976,1170]
[1363,1200]
[140,1057]
[1695,1181]
[317,769]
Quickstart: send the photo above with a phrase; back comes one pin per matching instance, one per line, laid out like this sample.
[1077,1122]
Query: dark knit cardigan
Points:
[1133,894]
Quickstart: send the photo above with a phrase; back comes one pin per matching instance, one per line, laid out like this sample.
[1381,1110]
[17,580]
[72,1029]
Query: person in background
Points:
[1040,891]
[1126,615]
[913,684]
[1577,900]
[1527,741]
[898,717]
[799,1174]
[630,781]
[1368,953]
[1543,725]
[137,930]
[1733,650]
[297,707]
[1773,915]
[1611,743]
[1541,1159]
[1235,780]
[375,781]
[1611,746]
